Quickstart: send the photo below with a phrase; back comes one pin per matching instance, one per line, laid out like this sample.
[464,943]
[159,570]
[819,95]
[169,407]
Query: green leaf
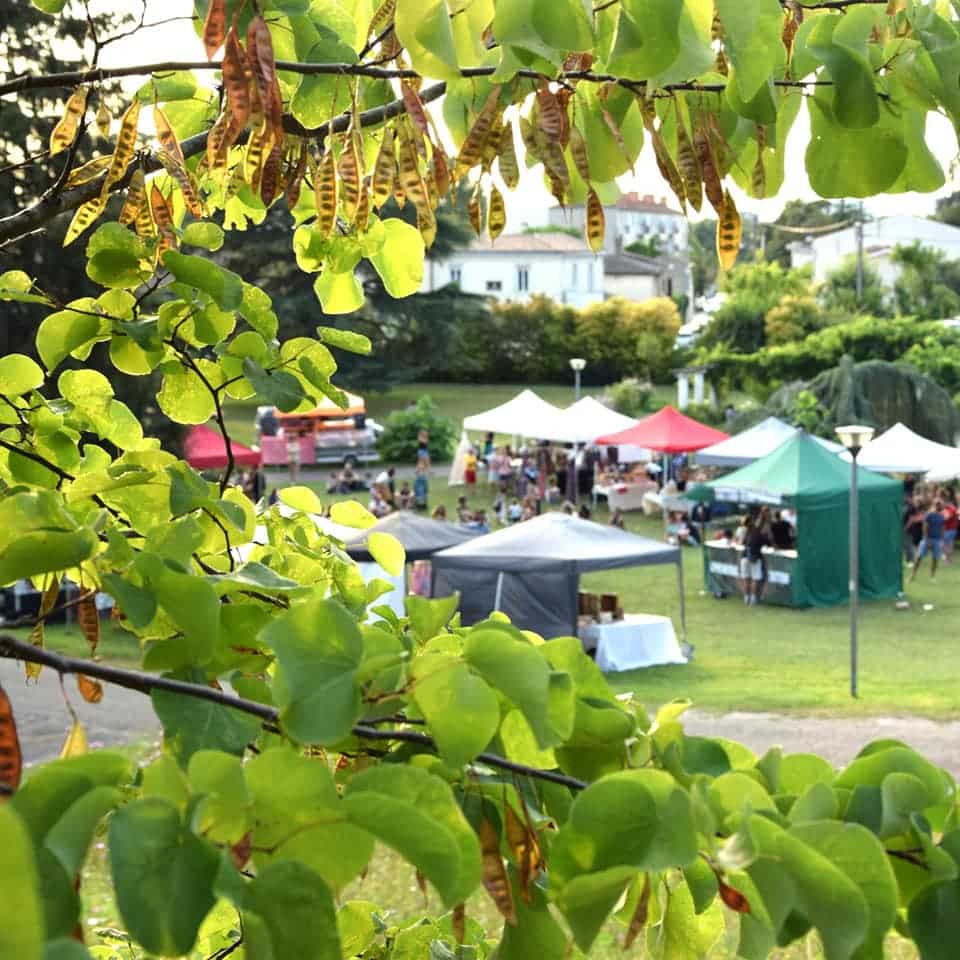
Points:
[356,927]
[429,617]
[686,935]
[844,162]
[63,332]
[872,769]
[297,914]
[16,285]
[190,725]
[19,374]
[640,818]
[399,261]
[461,710]
[301,498]
[547,28]
[70,837]
[606,158]
[424,30]
[752,31]
[349,513]
[50,6]
[43,552]
[65,949]
[338,292]
[222,813]
[22,932]
[278,387]
[163,876]
[515,668]
[415,813]
[318,647]
[223,286]
[178,85]
[193,605]
[184,397]
[855,851]
[798,771]
[204,234]
[344,340]
[139,605]
[257,309]
[387,551]
[586,901]
[537,933]
[297,815]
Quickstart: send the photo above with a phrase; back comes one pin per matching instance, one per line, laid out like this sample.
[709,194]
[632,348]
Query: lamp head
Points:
[577,363]
[854,436]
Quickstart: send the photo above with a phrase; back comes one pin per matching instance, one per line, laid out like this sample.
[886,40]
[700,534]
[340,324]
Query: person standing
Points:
[421,485]
[951,520]
[470,470]
[932,542]
[293,455]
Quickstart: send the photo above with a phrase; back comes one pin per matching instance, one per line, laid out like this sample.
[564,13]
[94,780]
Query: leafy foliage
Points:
[630,396]
[399,441]
[480,754]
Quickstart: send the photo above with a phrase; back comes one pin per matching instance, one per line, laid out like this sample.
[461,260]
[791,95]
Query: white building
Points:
[824,253]
[630,219]
[517,265]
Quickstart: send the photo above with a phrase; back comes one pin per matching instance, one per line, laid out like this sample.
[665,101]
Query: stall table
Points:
[622,496]
[639,640]
[722,571]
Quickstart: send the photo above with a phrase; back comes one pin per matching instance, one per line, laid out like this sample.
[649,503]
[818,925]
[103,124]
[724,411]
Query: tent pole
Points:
[498,595]
[683,601]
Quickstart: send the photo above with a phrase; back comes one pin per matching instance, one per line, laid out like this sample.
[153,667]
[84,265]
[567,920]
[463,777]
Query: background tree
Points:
[793,318]
[838,293]
[928,284]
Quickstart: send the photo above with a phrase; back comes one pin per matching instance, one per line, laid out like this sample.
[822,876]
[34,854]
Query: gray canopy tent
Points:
[420,536]
[531,571]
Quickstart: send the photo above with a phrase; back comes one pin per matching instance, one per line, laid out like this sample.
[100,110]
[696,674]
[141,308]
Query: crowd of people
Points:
[930,521]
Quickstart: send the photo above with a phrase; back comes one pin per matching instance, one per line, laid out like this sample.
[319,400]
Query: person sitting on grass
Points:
[378,502]
[616,519]
[514,511]
[568,508]
[479,522]
[405,496]
[464,513]
[529,507]
[439,512]
[499,507]
[932,543]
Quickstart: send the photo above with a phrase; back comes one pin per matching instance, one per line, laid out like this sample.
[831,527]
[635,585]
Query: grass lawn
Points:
[116,645]
[454,400]
[778,659]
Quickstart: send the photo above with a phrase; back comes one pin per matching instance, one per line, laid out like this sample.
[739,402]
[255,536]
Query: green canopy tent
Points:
[816,483]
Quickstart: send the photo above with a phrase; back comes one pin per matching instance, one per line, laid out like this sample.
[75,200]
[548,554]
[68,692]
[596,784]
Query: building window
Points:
[494,286]
[456,273]
[523,279]
[573,276]
[669,286]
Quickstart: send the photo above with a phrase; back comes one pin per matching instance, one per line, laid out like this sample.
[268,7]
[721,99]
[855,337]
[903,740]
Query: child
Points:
[514,511]
[470,469]
[405,496]
[464,513]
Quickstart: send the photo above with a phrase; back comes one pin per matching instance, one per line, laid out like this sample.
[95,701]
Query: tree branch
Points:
[30,219]
[145,683]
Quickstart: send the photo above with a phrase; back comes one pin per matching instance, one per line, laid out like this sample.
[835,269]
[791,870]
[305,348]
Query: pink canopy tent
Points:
[204,449]
[667,431]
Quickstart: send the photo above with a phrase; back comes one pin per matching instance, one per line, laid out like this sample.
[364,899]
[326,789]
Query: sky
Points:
[528,204]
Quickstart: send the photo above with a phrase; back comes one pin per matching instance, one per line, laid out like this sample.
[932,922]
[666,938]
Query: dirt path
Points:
[123,715]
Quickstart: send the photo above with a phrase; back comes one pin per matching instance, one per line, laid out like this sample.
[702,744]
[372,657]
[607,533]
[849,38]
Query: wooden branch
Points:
[12,648]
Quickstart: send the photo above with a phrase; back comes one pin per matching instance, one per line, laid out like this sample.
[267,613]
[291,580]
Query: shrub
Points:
[398,442]
[630,396]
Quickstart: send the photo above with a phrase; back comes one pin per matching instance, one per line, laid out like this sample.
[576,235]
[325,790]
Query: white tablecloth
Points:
[639,640]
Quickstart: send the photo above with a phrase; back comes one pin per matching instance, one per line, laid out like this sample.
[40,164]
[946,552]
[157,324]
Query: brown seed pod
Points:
[495,880]
[471,151]
[66,129]
[689,167]
[496,213]
[166,136]
[595,226]
[708,167]
[136,193]
[89,170]
[325,193]
[214,27]
[552,119]
[384,169]
[507,156]
[11,758]
[237,76]
[124,149]
[729,230]
[475,211]
[85,215]
[350,168]
[578,150]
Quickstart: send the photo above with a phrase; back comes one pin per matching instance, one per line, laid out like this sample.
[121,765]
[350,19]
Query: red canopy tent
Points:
[667,431]
[204,449]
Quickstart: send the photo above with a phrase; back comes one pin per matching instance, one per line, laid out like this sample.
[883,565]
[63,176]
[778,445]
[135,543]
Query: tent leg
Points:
[499,594]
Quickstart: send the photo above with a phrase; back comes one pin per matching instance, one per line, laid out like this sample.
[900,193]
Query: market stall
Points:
[526,415]
[752,444]
[205,449]
[900,450]
[531,571]
[803,476]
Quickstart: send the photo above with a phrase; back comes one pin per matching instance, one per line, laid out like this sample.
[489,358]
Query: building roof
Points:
[546,242]
[630,264]
[645,204]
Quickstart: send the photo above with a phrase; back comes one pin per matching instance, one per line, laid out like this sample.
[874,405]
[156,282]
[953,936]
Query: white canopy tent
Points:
[523,416]
[900,450]
[584,421]
[753,444]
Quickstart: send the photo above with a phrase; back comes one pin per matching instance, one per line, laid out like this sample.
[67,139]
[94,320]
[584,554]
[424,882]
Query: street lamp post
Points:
[577,364]
[854,438]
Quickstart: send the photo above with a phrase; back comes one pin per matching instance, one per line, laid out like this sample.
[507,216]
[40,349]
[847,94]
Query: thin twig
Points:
[145,683]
